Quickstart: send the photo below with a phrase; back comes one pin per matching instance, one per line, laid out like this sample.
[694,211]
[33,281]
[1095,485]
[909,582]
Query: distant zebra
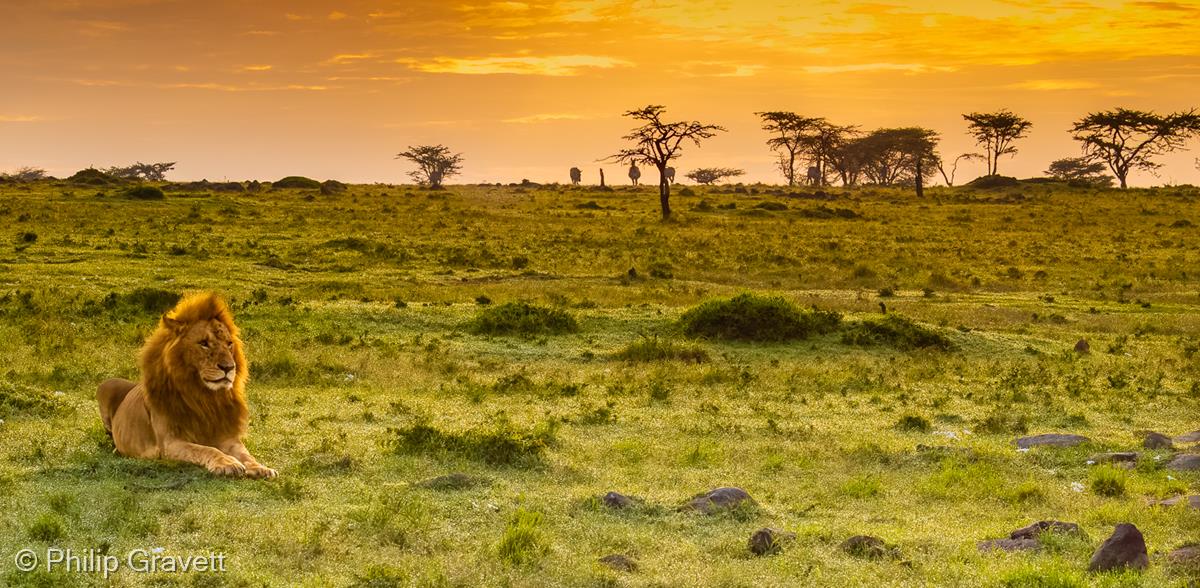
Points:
[576,176]
[670,175]
[814,175]
[634,173]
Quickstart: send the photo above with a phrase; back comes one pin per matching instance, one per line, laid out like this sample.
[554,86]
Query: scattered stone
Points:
[1157,441]
[1192,501]
[454,481]
[1186,557]
[616,500]
[1127,457]
[767,541]
[1193,437]
[1010,545]
[619,562]
[1126,548]
[1187,462]
[1035,530]
[1051,439]
[866,546]
[719,500]
[1082,347]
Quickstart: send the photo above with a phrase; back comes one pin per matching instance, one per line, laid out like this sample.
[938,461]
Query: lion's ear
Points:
[174,325]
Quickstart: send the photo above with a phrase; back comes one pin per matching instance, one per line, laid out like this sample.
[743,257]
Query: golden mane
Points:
[191,410]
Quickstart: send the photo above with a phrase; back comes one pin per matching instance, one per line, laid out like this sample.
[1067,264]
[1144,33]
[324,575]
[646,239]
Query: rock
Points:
[1010,545]
[767,541]
[1035,530]
[866,546]
[1051,439]
[1082,347]
[719,500]
[1157,441]
[619,562]
[1126,548]
[616,500]
[454,481]
[1192,501]
[1187,462]
[1186,557]
[1120,457]
[1193,437]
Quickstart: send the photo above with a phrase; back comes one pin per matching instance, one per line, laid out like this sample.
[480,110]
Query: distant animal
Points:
[814,175]
[670,175]
[576,176]
[634,173]
[190,403]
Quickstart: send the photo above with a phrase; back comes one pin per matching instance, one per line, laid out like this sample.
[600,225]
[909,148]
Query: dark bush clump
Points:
[750,317]
[896,331]
[994,181]
[144,193]
[650,349]
[153,301]
[914,422]
[92,177]
[24,400]
[297,182]
[522,318]
[502,443]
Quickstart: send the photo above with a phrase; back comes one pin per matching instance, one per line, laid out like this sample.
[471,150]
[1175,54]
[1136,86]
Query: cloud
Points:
[541,118]
[349,57]
[19,118]
[874,67]
[558,65]
[1054,85]
[256,68]
[337,15]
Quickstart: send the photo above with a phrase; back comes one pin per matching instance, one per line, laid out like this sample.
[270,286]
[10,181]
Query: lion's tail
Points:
[110,396]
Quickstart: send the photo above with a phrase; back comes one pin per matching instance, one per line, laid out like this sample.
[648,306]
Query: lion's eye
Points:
[204,344]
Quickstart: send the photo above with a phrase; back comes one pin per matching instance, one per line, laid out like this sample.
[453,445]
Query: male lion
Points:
[190,404]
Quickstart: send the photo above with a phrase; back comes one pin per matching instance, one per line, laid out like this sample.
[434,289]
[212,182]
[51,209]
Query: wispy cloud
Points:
[542,118]
[337,15]
[19,118]
[557,65]
[1054,85]
[256,67]
[875,67]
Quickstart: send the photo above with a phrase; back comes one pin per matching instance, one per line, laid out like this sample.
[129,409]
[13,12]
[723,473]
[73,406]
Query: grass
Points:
[367,378]
[523,318]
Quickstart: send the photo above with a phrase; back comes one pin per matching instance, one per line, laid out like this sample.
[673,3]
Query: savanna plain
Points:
[551,344]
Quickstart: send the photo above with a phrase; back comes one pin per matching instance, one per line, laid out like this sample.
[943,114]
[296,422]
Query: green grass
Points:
[368,377]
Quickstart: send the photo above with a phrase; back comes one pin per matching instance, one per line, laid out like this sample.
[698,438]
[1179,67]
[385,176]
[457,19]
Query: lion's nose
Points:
[227,366]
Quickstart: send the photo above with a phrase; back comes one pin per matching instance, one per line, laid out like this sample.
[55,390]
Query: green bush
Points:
[522,318]
[750,317]
[92,177]
[297,182]
[499,444]
[144,193]
[523,539]
[650,349]
[1107,481]
[896,331]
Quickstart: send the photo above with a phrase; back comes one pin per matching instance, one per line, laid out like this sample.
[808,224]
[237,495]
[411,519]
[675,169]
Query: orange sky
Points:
[264,89]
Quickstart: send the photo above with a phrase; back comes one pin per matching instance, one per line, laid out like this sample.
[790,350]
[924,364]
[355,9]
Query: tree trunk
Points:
[601,177]
[1122,179]
[920,181]
[791,169]
[664,193]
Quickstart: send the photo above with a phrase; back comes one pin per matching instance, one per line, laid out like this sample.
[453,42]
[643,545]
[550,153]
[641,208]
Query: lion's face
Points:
[209,348]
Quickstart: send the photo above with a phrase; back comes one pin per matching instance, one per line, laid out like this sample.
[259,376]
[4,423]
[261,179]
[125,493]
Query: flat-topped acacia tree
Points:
[657,142]
[434,164]
[1126,140]
[995,132]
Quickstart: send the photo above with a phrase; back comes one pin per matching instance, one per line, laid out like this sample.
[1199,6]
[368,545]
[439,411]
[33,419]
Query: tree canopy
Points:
[1126,140]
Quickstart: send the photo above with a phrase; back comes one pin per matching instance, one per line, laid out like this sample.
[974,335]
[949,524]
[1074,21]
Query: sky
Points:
[259,90]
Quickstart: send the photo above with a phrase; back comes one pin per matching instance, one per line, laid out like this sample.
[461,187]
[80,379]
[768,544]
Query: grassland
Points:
[370,374]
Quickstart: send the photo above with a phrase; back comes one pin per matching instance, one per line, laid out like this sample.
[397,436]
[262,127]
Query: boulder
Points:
[1124,549]
[1186,558]
[767,541]
[1192,501]
[616,500]
[1187,462]
[1051,440]
[1193,437]
[719,500]
[1157,441]
[1082,347]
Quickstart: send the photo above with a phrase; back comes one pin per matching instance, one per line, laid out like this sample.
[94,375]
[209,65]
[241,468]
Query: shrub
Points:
[523,540]
[914,422]
[897,331]
[144,193]
[47,528]
[750,317]
[994,181]
[499,444]
[648,349]
[19,399]
[1107,481]
[522,318]
[297,182]
[153,301]
[92,177]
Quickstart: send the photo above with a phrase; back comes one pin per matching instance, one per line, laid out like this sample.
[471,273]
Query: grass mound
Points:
[24,400]
[144,193]
[154,301]
[502,443]
[650,349]
[297,182]
[92,177]
[994,181]
[895,331]
[750,317]
[522,318]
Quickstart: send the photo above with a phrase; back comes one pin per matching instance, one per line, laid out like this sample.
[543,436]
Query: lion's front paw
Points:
[258,470]
[226,466]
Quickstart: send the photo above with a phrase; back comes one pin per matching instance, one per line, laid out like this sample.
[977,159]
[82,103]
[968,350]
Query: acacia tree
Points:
[150,172]
[995,132]
[1079,170]
[26,174]
[711,175]
[434,164]
[894,156]
[657,142]
[790,131]
[949,177]
[1128,140]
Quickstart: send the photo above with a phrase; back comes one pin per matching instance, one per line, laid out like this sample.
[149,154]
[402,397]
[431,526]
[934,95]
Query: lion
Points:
[190,404]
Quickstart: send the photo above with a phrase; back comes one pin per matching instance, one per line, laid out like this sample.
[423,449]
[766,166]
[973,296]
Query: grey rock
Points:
[616,500]
[1186,557]
[1193,437]
[866,546]
[1052,440]
[719,500]
[1082,347]
[1119,457]
[619,562]
[1192,501]
[1157,441]
[1187,462]
[1125,548]
[767,541]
